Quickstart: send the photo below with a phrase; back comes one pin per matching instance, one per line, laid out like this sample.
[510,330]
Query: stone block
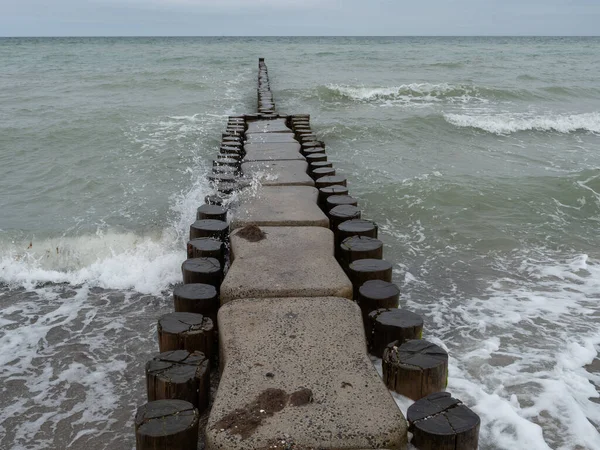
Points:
[295,374]
[273,152]
[268,126]
[280,206]
[262,138]
[279,173]
[286,262]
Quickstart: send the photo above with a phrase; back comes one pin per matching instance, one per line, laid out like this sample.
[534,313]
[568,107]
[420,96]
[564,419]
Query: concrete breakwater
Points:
[287,294]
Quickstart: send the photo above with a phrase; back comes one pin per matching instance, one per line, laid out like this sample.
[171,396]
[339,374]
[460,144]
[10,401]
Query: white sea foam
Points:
[117,260]
[520,359]
[507,123]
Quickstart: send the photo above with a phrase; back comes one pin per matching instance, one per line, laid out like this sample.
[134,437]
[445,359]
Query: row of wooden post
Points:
[178,378]
[412,366]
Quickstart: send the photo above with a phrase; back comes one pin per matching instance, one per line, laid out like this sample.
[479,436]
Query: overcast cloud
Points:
[296,17]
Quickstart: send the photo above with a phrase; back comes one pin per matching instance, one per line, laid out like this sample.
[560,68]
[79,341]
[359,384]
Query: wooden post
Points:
[441,422]
[202,270]
[230,170]
[317,165]
[224,161]
[206,248]
[315,157]
[214,199]
[415,369]
[376,294]
[227,187]
[186,331]
[356,227]
[166,425]
[180,375]
[313,151]
[337,200]
[328,191]
[359,247]
[342,213]
[221,178]
[198,298]
[330,181]
[322,172]
[307,145]
[363,270]
[387,325]
[214,212]
[217,229]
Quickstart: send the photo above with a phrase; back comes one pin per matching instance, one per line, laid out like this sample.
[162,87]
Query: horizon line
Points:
[302,36]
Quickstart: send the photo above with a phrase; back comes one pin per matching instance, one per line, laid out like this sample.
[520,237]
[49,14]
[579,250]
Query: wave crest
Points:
[509,123]
[414,90]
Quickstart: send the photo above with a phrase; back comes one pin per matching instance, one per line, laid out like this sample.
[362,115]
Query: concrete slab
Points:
[268,126]
[262,138]
[280,206]
[288,262]
[279,173]
[296,375]
[273,152]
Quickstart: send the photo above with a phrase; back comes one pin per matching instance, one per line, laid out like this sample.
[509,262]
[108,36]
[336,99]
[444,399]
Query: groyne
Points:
[285,289]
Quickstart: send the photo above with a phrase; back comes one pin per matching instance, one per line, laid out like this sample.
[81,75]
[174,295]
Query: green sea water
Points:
[479,158]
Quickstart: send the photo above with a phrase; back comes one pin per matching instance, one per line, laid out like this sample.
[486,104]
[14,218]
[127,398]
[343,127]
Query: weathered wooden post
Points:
[363,270]
[328,191]
[322,172]
[342,213]
[180,375]
[186,331]
[387,325]
[336,200]
[374,294]
[415,369]
[333,180]
[206,248]
[197,298]
[166,425]
[440,422]
[202,270]
[359,247]
[217,229]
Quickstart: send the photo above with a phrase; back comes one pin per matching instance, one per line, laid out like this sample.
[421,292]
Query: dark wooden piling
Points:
[217,229]
[322,172]
[363,270]
[415,368]
[214,199]
[359,247]
[312,166]
[376,294]
[441,422]
[391,324]
[198,298]
[206,248]
[337,200]
[214,212]
[186,331]
[166,425]
[341,213]
[179,375]
[316,157]
[202,270]
[328,191]
[224,161]
[335,180]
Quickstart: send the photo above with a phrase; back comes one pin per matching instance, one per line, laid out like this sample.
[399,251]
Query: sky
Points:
[298,17]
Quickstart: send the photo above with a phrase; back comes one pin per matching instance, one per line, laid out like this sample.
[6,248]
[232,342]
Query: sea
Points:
[478,157]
